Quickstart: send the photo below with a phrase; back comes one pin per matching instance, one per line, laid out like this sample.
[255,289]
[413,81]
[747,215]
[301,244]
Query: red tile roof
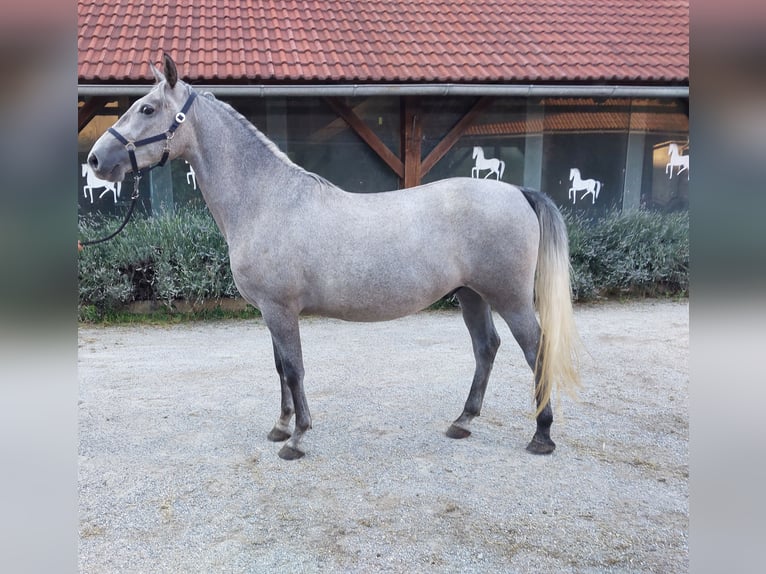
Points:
[391,41]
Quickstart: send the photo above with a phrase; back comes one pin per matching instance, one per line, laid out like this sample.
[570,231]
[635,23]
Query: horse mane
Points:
[270,145]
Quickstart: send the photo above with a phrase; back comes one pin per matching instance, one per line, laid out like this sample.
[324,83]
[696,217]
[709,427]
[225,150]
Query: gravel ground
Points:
[176,474]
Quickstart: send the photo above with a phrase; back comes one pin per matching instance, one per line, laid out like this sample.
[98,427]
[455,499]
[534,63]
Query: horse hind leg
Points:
[477,316]
[526,330]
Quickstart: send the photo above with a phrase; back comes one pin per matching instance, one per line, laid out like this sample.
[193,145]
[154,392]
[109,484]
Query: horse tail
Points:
[557,356]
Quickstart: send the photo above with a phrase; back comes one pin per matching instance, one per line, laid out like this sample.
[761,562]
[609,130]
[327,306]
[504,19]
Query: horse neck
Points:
[240,173]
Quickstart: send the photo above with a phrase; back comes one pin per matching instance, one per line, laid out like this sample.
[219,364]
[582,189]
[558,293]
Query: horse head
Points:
[476,152]
[84,169]
[573,172]
[141,137]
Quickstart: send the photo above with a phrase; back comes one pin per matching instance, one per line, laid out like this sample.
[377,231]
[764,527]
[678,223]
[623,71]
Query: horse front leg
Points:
[285,334]
[281,431]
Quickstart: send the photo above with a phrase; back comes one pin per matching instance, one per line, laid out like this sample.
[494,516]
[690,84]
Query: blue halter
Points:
[167,136]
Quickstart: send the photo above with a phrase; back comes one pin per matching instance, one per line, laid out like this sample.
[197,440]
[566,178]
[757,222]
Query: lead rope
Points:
[133,199]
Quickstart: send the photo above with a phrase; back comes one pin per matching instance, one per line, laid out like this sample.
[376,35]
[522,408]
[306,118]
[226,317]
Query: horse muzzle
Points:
[108,161]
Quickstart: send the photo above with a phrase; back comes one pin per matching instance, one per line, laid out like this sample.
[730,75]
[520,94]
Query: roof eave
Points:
[437,89]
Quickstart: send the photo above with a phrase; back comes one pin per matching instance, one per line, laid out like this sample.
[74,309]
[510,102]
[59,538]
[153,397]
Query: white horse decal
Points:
[676,160]
[496,166]
[92,182]
[191,176]
[592,186]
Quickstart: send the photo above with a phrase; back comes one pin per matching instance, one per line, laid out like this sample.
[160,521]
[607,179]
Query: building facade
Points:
[597,128]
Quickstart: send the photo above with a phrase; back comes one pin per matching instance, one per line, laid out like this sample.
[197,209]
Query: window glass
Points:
[665,177]
[321,142]
[584,149]
[584,152]
[491,148]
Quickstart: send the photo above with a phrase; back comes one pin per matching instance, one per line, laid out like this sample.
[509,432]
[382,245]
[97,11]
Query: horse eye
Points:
[146,109]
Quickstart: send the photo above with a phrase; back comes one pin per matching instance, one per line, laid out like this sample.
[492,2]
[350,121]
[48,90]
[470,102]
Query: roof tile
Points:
[387,40]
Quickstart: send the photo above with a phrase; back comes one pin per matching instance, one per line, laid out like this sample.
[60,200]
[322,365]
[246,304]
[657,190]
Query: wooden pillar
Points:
[412,136]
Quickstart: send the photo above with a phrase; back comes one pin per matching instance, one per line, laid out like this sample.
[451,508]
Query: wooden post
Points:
[412,135]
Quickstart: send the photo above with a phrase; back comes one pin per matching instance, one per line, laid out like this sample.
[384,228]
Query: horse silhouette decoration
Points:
[299,244]
[589,186]
[494,165]
[92,182]
[191,177]
[675,159]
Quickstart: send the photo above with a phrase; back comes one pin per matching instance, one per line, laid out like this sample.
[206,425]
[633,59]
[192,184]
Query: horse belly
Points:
[379,290]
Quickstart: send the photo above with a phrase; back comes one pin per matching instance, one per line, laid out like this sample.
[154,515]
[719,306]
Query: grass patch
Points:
[165,316]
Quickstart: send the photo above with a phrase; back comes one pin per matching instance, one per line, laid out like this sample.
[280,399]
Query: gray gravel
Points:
[176,474]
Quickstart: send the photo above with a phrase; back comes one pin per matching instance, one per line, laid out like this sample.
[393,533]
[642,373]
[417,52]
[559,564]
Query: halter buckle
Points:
[180,117]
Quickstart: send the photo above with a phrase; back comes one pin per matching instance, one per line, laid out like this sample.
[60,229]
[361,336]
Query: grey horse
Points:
[300,245]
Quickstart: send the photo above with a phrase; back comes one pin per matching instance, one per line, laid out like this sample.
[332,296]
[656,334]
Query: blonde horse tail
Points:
[557,356]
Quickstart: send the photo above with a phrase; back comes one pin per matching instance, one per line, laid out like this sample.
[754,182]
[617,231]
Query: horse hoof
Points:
[458,432]
[278,435]
[541,446]
[290,453]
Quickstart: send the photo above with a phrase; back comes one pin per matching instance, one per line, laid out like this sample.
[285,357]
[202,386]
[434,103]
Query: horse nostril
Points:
[93,161]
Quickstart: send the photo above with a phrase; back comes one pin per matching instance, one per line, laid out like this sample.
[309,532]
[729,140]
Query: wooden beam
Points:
[89,110]
[337,125]
[369,136]
[412,136]
[454,134]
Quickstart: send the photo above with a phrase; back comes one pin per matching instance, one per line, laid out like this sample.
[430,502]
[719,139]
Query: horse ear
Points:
[158,76]
[171,74]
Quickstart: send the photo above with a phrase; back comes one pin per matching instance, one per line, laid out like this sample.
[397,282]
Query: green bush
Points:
[183,256]
[639,253]
[176,256]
